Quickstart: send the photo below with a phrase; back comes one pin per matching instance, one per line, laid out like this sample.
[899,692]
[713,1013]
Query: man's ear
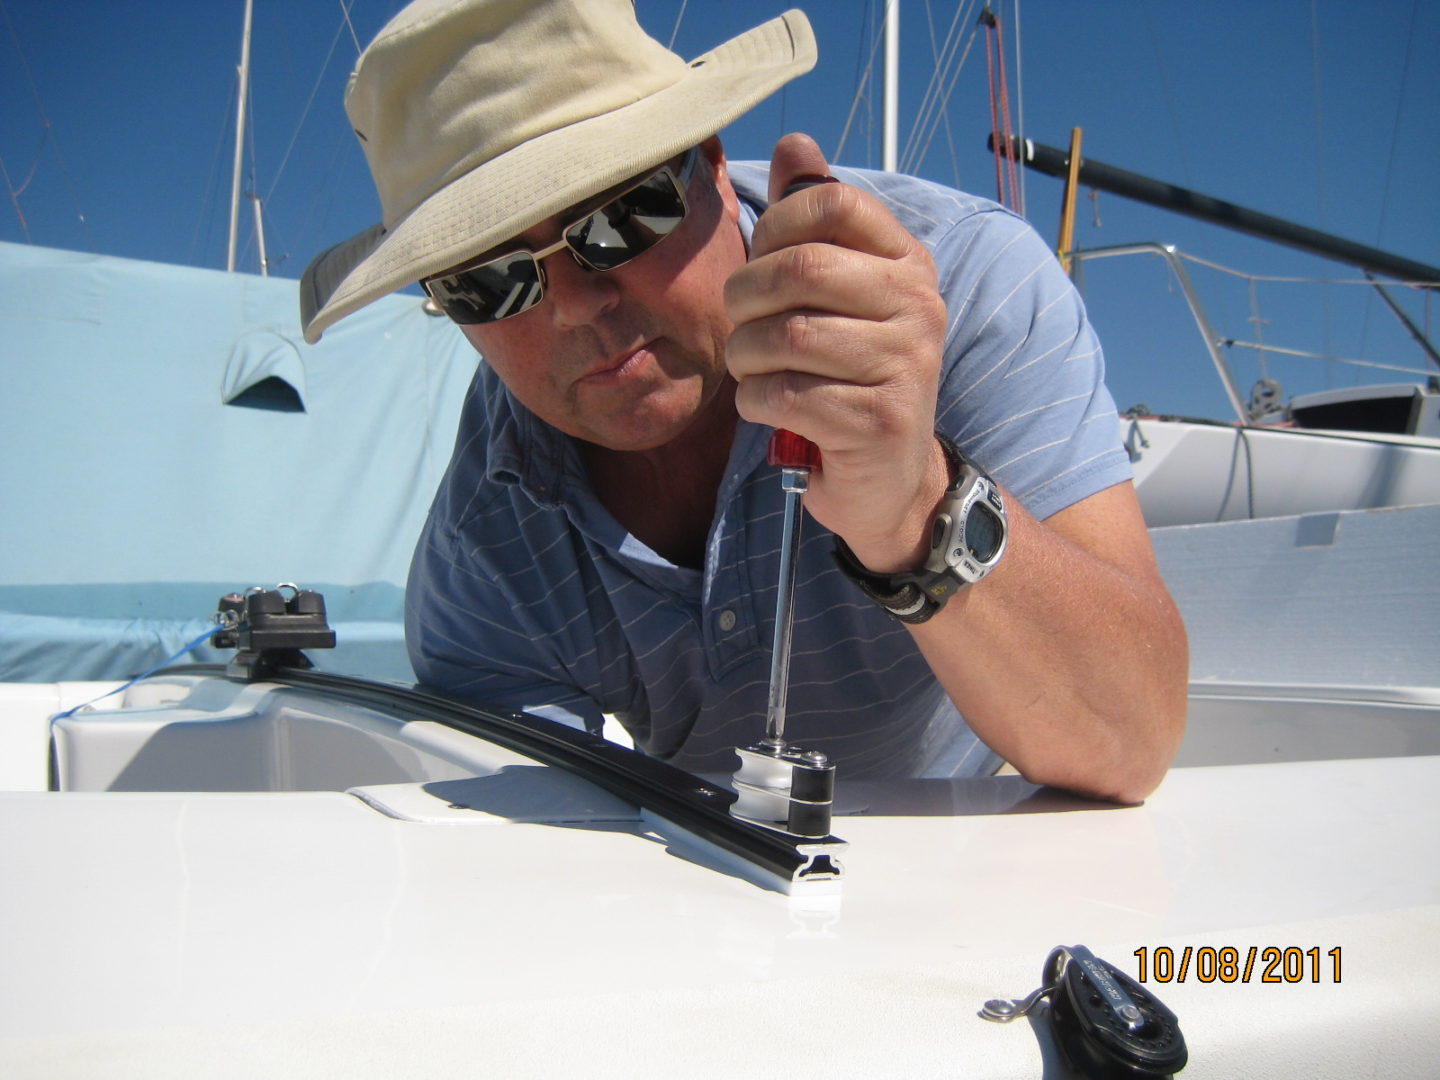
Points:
[715,155]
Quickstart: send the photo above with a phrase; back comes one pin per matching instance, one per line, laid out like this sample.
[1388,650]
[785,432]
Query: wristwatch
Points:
[966,542]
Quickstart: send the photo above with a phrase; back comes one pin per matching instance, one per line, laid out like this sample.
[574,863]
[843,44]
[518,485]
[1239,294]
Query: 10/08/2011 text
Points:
[1267,964]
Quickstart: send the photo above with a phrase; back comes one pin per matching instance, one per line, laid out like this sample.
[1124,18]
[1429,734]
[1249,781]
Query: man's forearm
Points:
[1070,660]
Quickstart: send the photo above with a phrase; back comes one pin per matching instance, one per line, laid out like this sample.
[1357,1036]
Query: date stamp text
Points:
[1262,964]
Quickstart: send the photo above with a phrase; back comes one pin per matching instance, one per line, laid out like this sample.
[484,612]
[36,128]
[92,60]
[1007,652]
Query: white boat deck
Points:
[312,933]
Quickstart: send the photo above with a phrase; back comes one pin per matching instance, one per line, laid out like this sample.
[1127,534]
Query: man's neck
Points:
[665,496]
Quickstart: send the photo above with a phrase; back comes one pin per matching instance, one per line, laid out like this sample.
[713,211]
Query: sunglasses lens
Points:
[629,225]
[494,290]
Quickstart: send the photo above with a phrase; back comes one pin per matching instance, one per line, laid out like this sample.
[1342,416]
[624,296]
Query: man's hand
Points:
[839,330]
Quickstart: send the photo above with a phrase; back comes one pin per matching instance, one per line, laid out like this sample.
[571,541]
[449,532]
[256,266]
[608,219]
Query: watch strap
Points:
[904,601]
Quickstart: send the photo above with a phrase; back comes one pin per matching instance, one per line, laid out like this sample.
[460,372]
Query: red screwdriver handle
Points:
[791,451]
[788,450]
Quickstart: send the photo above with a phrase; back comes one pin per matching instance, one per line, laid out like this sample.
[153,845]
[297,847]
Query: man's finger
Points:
[795,156]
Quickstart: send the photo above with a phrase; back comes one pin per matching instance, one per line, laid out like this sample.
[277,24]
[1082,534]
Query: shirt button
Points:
[727,620]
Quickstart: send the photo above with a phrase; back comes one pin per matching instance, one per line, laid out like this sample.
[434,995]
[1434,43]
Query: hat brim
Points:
[543,176]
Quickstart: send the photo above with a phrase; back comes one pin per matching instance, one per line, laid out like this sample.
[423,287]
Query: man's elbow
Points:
[1129,782]
[1130,755]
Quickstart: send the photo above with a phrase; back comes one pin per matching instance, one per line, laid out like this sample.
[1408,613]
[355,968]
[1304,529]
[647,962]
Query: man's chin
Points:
[660,417]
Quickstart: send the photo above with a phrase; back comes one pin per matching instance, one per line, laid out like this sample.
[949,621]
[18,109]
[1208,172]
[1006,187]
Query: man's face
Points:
[627,358]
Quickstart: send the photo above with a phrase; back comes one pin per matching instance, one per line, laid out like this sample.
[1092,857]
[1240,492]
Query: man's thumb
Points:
[796,159]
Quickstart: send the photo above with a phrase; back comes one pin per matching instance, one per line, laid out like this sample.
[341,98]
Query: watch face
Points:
[983,532]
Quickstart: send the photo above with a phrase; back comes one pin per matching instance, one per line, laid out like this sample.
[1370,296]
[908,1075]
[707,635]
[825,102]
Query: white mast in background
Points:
[240,134]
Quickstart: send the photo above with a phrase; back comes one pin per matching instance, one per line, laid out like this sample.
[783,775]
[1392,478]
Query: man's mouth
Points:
[619,365]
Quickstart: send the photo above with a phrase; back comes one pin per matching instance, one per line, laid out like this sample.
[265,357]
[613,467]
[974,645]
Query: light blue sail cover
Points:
[132,496]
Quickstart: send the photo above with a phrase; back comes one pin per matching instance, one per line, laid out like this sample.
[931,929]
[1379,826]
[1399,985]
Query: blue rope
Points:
[195,644]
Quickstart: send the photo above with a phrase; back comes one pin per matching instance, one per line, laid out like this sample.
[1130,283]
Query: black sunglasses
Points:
[626,227]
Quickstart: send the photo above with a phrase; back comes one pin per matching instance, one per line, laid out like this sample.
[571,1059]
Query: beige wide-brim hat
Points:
[482,118]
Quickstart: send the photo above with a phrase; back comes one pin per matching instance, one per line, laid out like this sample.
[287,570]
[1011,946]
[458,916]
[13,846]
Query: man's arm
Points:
[1070,659]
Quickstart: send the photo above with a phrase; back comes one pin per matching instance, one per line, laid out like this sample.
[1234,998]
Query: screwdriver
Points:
[796,456]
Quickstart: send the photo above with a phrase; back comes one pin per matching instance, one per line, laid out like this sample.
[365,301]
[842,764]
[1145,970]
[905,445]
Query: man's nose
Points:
[579,295]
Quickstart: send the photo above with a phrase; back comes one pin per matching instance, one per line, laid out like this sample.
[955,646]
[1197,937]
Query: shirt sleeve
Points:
[1022,388]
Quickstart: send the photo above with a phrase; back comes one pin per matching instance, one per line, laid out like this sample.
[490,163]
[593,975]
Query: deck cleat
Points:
[268,629]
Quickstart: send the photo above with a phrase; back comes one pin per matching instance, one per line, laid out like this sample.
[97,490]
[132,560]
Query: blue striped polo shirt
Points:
[525,592]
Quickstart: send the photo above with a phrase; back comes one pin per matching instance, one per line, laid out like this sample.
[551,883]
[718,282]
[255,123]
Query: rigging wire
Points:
[326,191]
[345,15]
[679,17]
[47,139]
[1162,76]
[1395,127]
[203,219]
[1019,96]
[1320,200]
[922,139]
[950,89]
[1327,357]
[1263,350]
[945,117]
[932,110]
[314,92]
[935,61]
[1006,182]
[323,195]
[1287,280]
[1011,150]
[920,117]
[1392,157]
[860,92]
[16,192]
[15,200]
[1325,305]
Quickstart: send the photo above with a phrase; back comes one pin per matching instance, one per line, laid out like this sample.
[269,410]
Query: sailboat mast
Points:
[889,145]
[240,134]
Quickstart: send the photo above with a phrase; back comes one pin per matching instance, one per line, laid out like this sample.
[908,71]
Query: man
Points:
[607,537]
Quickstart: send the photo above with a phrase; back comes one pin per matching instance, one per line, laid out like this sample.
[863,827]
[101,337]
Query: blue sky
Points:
[117,131]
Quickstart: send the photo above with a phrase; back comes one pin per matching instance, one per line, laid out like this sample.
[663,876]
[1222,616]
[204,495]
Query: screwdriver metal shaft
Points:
[796,456]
